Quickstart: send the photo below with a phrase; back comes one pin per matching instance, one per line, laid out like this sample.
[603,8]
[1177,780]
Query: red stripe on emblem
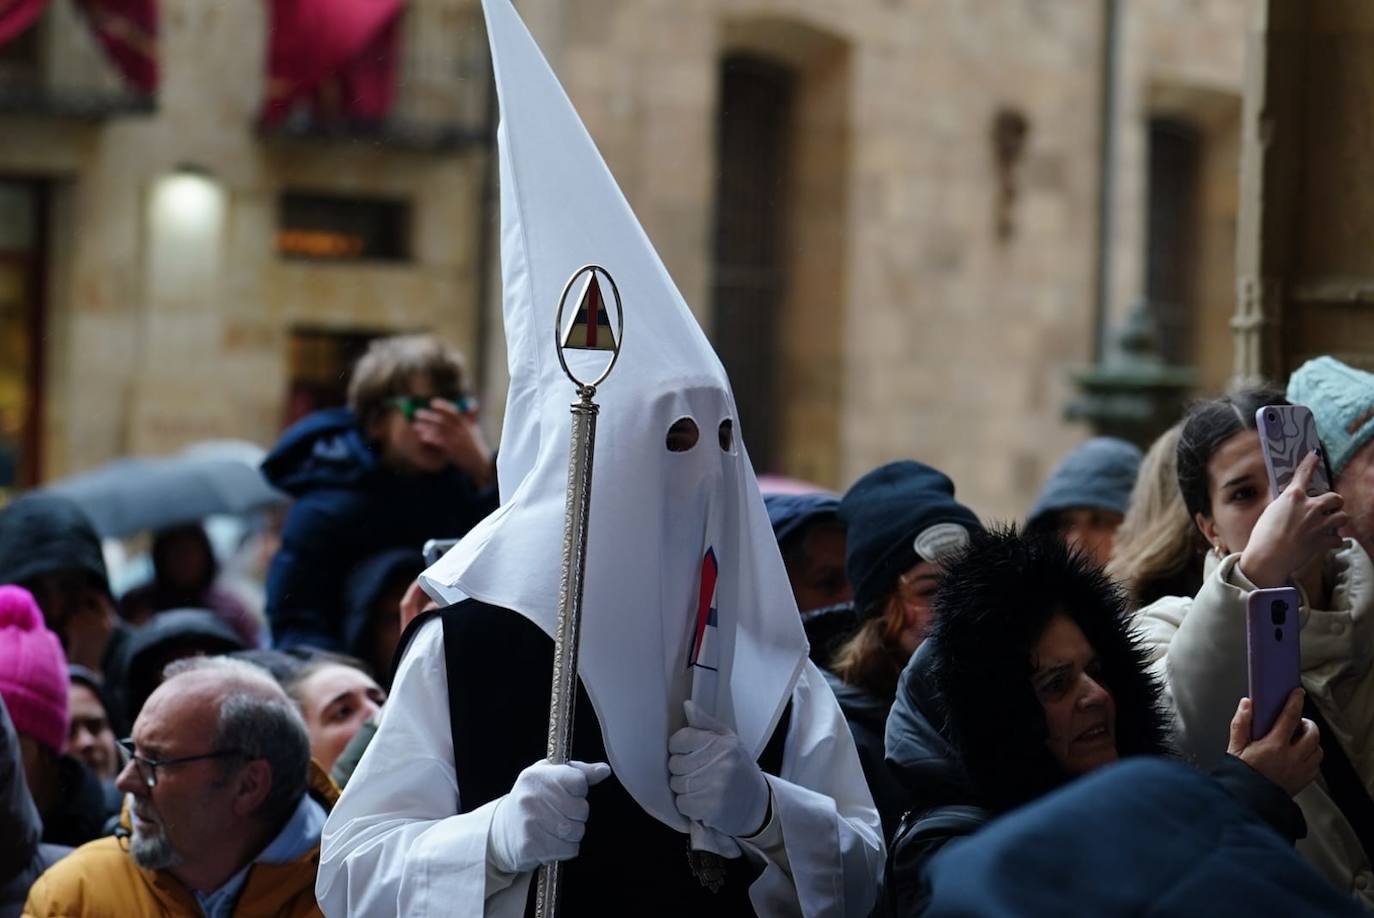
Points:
[593,307]
[709,572]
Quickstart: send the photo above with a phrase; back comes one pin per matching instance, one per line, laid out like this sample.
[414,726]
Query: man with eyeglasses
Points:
[223,807]
[403,463]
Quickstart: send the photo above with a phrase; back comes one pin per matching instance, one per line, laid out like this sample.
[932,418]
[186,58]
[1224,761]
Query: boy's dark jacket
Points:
[349,506]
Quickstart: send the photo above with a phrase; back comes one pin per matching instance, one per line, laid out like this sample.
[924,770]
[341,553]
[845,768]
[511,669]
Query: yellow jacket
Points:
[101,879]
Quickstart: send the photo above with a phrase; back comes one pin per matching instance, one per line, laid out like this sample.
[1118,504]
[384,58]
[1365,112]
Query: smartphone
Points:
[1271,627]
[1288,434]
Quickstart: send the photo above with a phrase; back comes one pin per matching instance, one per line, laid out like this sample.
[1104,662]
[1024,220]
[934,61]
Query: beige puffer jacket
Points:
[1198,648]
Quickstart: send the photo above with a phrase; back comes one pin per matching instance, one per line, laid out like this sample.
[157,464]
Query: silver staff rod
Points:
[589,331]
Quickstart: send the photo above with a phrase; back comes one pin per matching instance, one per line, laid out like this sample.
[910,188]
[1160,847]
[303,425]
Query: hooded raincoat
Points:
[160,595]
[169,636]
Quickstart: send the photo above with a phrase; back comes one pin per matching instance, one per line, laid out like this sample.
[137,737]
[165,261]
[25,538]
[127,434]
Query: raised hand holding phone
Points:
[1293,529]
[1290,754]
[453,427]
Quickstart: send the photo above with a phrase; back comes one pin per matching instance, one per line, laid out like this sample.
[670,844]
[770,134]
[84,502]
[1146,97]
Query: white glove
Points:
[544,816]
[714,779]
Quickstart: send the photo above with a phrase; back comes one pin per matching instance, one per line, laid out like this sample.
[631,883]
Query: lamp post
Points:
[1132,393]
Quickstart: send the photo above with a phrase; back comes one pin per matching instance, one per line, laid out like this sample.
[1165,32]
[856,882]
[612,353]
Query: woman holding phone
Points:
[1031,678]
[1198,644]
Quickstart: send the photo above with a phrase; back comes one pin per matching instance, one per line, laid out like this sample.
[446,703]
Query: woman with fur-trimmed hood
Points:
[1031,677]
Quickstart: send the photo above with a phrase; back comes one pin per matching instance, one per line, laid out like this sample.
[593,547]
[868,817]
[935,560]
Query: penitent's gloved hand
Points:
[543,817]
[714,779]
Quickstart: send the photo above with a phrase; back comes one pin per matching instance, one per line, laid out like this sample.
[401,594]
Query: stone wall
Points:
[146,353]
[913,328]
[955,346]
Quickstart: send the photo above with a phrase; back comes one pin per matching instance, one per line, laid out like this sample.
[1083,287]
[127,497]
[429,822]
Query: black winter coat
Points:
[867,718]
[23,856]
[348,507]
[945,805]
[81,811]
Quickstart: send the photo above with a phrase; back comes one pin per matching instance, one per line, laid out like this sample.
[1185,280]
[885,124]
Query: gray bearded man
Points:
[224,807]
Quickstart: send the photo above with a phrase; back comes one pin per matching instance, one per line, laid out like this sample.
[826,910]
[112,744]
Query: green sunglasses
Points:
[409,404]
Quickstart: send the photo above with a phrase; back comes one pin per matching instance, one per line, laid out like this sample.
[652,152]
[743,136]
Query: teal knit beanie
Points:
[1342,402]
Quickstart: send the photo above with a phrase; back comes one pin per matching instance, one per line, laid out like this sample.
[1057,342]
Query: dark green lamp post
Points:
[1132,394]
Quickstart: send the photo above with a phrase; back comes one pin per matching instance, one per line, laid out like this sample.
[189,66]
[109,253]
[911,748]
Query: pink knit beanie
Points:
[33,670]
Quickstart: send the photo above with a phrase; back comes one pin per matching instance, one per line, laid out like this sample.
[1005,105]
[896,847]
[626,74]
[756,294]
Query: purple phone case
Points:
[1288,434]
[1272,636]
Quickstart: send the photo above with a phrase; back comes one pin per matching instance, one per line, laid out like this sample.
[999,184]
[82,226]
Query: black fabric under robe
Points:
[500,671]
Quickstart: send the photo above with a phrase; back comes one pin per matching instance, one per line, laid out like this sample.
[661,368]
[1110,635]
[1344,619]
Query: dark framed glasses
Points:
[409,404]
[147,768]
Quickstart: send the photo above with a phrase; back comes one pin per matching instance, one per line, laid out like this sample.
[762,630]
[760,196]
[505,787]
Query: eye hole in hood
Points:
[683,435]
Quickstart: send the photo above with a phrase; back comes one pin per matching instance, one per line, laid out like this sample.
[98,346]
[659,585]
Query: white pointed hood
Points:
[654,514]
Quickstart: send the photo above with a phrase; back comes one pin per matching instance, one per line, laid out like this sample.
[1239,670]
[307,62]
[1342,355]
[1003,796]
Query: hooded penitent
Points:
[995,600]
[663,525]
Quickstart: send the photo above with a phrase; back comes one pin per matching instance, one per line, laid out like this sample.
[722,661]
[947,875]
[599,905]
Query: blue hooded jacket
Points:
[348,507]
[1145,837]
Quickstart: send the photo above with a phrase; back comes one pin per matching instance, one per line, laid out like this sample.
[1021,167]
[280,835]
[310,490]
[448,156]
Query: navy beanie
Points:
[898,515]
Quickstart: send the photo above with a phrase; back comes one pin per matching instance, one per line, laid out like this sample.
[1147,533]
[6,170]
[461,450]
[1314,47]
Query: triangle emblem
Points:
[591,323]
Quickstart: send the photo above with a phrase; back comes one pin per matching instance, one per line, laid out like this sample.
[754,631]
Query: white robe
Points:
[396,845]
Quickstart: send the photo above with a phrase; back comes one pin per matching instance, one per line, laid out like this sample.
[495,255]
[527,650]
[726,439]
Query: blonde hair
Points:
[390,366]
[1157,547]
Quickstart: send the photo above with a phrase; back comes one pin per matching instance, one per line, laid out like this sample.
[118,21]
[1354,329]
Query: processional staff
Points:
[589,330]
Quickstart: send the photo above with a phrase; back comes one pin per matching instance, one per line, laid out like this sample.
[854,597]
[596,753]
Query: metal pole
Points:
[564,694]
[1107,168]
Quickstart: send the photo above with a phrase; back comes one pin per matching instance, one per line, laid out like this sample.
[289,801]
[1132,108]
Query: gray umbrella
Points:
[133,495]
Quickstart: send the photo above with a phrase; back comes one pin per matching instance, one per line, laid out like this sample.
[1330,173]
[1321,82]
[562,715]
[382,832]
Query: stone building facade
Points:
[930,275]
[911,324]
[170,313]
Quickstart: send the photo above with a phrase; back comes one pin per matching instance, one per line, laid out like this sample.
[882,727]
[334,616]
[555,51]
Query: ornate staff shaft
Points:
[584,413]
[590,330]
